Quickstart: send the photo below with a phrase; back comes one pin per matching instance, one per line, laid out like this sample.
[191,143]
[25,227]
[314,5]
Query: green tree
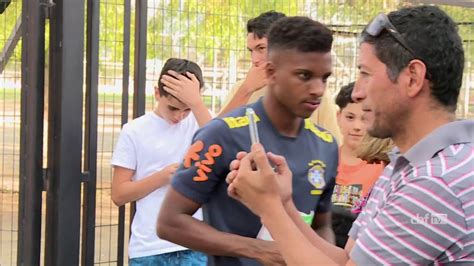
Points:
[8,21]
[207,30]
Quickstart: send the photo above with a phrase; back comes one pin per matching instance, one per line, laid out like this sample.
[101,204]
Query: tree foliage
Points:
[204,30]
[8,21]
[211,31]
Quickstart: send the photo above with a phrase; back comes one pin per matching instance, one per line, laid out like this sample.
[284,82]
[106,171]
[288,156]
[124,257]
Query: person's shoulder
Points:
[236,118]
[236,111]
[217,128]
[452,166]
[137,124]
[319,133]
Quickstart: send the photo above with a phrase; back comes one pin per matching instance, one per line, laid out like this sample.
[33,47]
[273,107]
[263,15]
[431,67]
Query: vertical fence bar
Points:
[141,10]
[140,57]
[65,133]
[90,134]
[31,142]
[124,115]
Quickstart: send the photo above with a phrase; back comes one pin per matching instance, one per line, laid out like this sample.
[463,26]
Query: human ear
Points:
[157,93]
[270,71]
[416,71]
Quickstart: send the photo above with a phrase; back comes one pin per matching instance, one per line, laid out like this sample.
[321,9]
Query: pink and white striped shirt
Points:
[421,210]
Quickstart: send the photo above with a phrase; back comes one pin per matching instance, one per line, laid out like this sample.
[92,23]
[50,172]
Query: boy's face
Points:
[298,79]
[171,109]
[351,122]
[257,48]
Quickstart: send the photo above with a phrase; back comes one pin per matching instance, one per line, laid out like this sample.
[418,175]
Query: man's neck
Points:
[284,121]
[420,125]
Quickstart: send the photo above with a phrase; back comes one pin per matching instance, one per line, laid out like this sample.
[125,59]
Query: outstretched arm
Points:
[323,227]
[176,224]
[262,190]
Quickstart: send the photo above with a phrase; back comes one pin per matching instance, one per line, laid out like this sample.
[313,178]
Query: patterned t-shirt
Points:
[421,210]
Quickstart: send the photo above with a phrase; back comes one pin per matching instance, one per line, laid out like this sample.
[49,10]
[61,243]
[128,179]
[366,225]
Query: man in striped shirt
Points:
[421,210]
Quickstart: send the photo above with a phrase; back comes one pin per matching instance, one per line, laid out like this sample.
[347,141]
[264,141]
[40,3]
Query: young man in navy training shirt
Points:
[299,64]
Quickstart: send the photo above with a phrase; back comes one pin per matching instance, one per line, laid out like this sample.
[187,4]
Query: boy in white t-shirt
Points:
[147,155]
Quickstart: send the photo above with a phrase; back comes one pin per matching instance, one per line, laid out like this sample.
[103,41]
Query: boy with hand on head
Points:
[147,155]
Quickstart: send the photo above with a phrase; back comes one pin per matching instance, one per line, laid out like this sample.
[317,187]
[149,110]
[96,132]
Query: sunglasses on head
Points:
[380,23]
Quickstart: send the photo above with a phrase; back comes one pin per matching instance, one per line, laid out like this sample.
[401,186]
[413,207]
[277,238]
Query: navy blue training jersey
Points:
[312,157]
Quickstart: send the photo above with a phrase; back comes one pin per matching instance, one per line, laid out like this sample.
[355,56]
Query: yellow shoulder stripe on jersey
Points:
[240,121]
[324,135]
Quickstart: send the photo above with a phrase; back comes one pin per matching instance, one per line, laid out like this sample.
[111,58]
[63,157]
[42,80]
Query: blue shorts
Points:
[178,258]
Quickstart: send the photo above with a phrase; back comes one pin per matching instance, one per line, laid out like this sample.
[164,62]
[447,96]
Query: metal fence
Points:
[125,44]
[10,83]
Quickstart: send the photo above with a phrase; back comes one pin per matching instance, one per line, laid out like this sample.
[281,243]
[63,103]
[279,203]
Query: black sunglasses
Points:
[380,23]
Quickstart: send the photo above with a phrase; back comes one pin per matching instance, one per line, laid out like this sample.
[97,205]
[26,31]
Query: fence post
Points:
[31,140]
[141,9]
[90,134]
[65,133]
[124,115]
[140,57]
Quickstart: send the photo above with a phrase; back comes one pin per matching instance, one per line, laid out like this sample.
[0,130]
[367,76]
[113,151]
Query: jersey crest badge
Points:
[316,176]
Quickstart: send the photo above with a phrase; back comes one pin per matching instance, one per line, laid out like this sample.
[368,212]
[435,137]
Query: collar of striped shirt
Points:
[460,131]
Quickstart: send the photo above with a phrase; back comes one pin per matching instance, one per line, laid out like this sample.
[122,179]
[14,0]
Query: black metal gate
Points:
[69,179]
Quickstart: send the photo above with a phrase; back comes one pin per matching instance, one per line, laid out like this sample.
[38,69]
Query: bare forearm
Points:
[189,232]
[201,113]
[294,246]
[332,251]
[326,233]
[134,190]
[241,97]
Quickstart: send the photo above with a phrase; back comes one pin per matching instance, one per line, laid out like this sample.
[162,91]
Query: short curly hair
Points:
[300,33]
[261,25]
[344,97]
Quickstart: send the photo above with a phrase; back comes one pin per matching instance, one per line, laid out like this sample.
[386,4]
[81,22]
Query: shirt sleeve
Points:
[421,222]
[356,225]
[206,163]
[125,154]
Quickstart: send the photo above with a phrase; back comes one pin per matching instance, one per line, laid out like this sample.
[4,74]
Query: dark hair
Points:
[434,38]
[300,33]
[181,66]
[261,24]
[344,97]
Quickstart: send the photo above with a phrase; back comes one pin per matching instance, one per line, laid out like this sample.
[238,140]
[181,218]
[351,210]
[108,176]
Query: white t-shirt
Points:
[146,145]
